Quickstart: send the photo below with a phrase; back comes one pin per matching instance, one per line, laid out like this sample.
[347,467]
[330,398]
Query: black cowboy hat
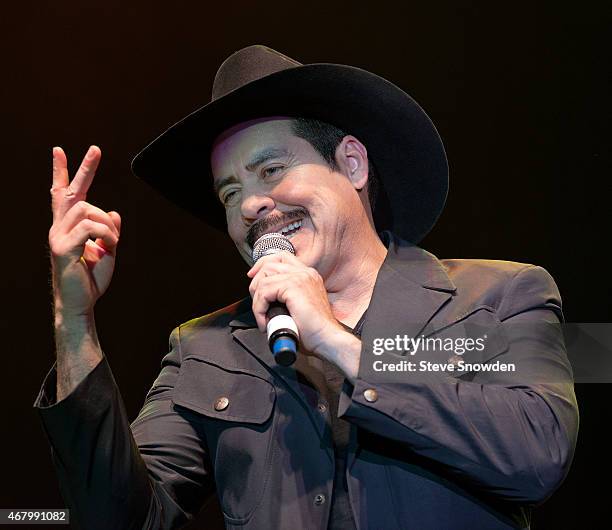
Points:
[255,82]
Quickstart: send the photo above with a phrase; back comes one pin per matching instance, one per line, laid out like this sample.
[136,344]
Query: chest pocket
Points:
[223,393]
[232,409]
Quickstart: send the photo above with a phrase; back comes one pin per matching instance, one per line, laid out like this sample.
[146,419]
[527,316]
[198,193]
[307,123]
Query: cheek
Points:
[305,185]
[292,193]
[235,228]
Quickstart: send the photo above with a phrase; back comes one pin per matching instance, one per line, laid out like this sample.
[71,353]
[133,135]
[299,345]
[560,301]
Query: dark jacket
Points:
[427,451]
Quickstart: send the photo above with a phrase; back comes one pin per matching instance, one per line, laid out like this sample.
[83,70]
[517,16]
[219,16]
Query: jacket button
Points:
[319,499]
[322,407]
[221,403]
[455,359]
[370,394]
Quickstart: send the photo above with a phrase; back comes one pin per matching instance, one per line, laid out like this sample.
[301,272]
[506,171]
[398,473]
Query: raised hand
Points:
[81,267]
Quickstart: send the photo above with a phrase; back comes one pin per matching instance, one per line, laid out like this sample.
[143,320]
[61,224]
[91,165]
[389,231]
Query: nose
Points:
[254,206]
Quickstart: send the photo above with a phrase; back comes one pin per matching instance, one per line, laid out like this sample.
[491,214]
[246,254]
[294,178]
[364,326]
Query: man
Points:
[330,155]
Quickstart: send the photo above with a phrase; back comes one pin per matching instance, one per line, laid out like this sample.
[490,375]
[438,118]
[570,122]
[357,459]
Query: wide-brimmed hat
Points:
[255,82]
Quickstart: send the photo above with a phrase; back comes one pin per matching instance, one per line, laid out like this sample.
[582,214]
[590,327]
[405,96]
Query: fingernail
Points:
[91,153]
[54,151]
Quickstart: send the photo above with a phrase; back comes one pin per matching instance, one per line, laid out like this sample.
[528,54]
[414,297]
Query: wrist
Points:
[329,339]
[343,349]
[65,316]
[72,330]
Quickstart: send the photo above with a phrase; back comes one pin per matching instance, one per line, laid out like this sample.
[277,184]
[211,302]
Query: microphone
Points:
[283,336]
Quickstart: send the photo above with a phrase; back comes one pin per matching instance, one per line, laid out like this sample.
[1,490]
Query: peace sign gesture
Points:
[81,267]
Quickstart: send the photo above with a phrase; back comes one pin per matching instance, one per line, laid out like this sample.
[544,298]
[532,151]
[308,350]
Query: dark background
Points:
[518,92]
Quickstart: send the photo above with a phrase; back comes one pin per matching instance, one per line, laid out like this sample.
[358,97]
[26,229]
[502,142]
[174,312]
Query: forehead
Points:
[236,144]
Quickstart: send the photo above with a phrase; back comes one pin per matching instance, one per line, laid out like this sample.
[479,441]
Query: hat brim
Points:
[402,142]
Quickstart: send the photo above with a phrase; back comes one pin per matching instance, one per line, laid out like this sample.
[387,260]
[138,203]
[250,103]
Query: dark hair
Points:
[325,138]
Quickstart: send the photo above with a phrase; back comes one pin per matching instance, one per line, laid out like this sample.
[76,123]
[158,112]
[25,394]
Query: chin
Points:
[246,255]
[301,251]
[309,259]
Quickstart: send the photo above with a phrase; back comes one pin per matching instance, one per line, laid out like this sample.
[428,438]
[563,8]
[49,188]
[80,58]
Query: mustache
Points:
[259,227]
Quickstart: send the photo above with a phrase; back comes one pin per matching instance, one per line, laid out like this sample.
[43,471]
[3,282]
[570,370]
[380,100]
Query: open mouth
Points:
[288,228]
[291,229]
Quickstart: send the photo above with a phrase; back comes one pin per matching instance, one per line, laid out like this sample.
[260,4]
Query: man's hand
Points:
[82,268]
[283,277]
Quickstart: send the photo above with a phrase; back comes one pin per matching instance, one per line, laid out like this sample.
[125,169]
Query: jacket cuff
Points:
[89,396]
[363,402]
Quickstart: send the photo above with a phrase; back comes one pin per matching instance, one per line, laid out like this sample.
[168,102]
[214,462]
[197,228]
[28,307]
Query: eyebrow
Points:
[256,160]
[264,155]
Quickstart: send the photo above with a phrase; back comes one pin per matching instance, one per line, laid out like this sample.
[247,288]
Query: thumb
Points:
[116,218]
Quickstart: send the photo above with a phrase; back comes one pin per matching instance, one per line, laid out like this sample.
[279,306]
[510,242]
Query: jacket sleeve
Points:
[151,474]
[498,433]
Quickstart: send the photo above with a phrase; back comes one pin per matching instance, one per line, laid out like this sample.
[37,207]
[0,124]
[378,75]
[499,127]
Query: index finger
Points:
[282,256]
[60,179]
[60,170]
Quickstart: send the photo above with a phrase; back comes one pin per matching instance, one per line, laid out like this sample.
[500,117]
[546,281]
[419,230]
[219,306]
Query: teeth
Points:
[290,227]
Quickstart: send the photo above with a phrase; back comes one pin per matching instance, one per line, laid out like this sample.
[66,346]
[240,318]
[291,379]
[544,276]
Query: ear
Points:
[352,160]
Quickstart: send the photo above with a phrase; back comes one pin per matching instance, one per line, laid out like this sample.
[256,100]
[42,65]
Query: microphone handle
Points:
[283,334]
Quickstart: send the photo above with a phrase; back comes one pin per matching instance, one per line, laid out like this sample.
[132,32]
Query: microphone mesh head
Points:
[271,244]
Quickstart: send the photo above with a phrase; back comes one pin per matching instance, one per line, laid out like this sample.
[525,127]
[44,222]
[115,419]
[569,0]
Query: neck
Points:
[351,283]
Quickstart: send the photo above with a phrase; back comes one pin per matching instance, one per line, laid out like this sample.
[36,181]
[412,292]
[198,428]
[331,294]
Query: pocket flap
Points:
[216,392]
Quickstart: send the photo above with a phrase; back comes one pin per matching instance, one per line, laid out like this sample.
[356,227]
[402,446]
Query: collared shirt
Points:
[328,379]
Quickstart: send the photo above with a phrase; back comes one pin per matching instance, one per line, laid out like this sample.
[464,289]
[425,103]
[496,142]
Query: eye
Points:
[229,197]
[271,171]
